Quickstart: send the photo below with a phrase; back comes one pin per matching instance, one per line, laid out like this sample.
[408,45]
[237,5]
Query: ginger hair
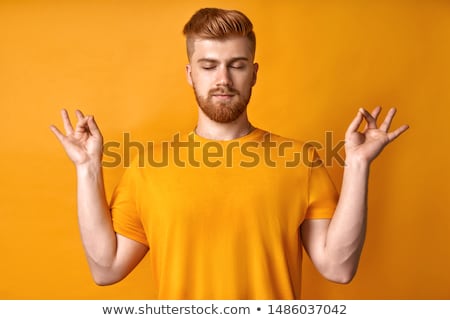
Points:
[214,23]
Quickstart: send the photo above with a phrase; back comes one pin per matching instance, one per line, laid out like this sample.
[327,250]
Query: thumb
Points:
[93,128]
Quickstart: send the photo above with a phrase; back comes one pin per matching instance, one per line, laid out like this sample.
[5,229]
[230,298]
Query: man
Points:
[233,226]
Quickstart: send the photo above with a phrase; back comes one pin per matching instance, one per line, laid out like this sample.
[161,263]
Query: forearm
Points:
[346,232]
[97,233]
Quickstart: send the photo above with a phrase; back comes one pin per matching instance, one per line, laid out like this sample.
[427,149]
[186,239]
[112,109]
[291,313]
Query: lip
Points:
[223,95]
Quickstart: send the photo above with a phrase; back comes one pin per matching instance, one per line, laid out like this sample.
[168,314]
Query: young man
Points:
[226,216]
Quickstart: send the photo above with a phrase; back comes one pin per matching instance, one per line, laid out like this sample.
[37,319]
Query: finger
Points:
[93,128]
[375,113]
[80,115]
[354,125]
[388,120]
[66,121]
[371,121]
[81,124]
[395,134]
[57,133]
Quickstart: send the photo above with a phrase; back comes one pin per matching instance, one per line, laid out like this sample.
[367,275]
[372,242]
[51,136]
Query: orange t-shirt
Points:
[222,218]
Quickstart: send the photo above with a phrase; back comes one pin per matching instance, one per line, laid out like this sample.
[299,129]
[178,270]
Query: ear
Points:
[188,74]
[255,72]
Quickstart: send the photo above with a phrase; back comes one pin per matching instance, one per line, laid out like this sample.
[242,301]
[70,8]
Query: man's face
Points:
[222,74]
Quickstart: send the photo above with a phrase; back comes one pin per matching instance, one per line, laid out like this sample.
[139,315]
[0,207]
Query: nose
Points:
[224,77]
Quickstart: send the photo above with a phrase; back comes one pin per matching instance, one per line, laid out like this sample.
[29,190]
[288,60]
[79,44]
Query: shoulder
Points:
[267,135]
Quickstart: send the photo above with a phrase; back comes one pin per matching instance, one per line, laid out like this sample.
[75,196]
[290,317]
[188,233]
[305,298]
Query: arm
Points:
[335,245]
[110,256]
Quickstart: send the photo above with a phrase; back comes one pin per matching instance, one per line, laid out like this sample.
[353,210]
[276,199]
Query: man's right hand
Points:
[84,144]
[110,256]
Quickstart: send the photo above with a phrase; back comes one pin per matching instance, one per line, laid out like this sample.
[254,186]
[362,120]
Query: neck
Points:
[210,129]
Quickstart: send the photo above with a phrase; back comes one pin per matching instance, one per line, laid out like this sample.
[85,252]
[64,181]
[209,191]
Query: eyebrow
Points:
[210,60]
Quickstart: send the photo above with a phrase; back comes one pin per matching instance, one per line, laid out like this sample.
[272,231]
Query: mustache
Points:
[223,90]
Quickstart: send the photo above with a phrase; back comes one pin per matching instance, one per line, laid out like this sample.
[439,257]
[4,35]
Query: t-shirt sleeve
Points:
[124,208]
[322,193]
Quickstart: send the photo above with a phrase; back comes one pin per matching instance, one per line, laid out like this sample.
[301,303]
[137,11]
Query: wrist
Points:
[356,162]
[89,168]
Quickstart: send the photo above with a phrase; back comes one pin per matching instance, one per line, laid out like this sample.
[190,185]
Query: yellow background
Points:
[123,61]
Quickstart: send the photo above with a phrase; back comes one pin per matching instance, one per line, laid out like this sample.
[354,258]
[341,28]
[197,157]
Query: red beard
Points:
[223,111]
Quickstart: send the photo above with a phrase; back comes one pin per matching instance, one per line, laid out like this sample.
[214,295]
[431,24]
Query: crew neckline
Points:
[255,132]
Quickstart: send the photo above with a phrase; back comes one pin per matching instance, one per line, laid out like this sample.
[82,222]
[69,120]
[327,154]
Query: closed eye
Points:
[237,66]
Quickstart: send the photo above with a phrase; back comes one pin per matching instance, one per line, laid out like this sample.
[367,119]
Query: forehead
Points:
[221,49]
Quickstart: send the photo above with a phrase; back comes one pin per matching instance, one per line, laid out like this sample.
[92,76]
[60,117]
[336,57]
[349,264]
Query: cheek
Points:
[244,83]
[200,87]
[200,79]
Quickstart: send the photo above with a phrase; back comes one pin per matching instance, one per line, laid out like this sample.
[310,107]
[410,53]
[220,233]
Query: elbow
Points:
[102,280]
[105,278]
[343,278]
[102,274]
[342,270]
[340,275]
